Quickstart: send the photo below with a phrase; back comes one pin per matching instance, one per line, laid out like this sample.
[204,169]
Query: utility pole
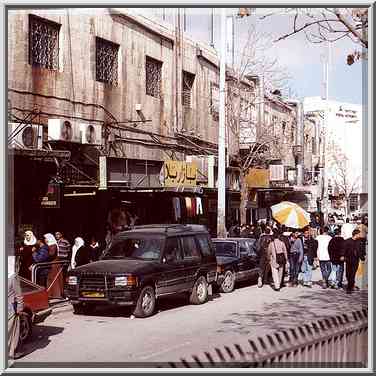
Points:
[221,212]
[326,125]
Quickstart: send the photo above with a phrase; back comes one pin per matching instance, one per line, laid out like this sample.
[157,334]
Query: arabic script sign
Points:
[179,173]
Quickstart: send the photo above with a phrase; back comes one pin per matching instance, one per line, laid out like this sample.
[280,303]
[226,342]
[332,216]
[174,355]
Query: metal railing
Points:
[47,265]
[334,342]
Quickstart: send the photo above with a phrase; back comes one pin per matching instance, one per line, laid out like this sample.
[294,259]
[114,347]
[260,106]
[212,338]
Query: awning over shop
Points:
[41,153]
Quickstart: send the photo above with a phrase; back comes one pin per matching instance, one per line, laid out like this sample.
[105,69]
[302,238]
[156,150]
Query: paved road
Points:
[180,330]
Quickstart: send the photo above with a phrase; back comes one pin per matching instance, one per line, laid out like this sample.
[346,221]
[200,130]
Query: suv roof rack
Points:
[165,226]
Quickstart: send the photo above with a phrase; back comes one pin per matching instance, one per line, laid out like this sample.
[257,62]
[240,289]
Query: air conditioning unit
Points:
[63,130]
[91,134]
[21,136]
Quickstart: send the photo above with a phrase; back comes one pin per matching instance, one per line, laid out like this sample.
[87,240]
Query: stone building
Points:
[130,94]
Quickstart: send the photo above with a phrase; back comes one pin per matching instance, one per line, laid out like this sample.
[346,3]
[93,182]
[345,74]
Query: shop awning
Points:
[41,153]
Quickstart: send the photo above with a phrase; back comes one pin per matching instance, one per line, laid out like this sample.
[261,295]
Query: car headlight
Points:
[72,280]
[129,280]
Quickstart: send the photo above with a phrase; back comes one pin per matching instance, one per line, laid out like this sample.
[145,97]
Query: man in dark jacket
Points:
[262,250]
[353,253]
[336,249]
[309,256]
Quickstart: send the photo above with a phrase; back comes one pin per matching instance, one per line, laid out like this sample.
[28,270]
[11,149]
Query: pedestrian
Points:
[245,231]
[64,252]
[25,253]
[55,279]
[336,250]
[309,256]
[256,231]
[278,259]
[332,226]
[262,251]
[40,254]
[347,229]
[295,257]
[362,227]
[353,253]
[80,253]
[64,247]
[94,249]
[285,238]
[323,255]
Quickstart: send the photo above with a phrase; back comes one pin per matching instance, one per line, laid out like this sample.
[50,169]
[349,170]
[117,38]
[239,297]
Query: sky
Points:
[302,59]
[304,62]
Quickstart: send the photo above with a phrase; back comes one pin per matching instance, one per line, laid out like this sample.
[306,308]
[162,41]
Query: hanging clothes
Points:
[183,208]
[194,206]
[177,208]
[188,204]
[199,208]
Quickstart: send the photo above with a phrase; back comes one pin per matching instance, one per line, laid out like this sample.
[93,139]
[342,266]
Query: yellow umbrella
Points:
[290,214]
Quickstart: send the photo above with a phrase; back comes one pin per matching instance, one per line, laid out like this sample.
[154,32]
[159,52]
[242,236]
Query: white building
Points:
[343,151]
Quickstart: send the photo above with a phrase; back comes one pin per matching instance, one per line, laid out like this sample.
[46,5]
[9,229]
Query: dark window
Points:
[153,77]
[190,249]
[204,243]
[43,43]
[106,57]
[188,80]
[225,248]
[147,249]
[172,250]
[283,127]
[247,247]
[214,100]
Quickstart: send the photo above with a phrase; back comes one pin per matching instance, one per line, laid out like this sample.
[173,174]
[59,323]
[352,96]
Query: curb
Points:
[61,307]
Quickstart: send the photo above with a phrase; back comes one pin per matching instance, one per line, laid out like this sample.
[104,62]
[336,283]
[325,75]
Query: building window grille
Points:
[153,77]
[106,58]
[43,43]
[188,80]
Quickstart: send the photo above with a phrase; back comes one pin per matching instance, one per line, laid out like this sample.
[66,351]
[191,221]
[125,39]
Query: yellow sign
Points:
[180,174]
[257,178]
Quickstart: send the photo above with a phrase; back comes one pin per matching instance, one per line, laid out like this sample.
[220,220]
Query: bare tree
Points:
[344,182]
[330,25]
[245,97]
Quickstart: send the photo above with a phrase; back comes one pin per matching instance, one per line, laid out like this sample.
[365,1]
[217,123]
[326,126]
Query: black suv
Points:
[144,264]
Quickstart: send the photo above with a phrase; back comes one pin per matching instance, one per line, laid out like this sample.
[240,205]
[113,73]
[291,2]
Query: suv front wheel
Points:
[145,303]
[199,294]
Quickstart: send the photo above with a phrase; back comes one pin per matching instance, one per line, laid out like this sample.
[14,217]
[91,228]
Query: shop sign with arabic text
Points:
[180,173]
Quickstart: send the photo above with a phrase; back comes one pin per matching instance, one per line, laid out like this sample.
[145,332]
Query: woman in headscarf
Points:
[25,254]
[80,253]
[55,281]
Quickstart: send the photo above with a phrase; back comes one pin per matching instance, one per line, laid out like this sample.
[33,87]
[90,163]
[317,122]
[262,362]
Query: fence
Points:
[56,279]
[339,341]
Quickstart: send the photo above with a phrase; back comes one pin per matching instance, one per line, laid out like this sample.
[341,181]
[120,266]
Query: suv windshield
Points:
[225,248]
[145,248]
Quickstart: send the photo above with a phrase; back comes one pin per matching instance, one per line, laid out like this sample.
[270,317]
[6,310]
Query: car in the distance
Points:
[237,260]
[144,264]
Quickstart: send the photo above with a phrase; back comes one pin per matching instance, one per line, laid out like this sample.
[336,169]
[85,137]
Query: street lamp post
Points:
[221,213]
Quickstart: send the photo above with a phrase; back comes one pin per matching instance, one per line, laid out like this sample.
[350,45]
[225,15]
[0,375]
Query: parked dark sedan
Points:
[237,260]
[144,264]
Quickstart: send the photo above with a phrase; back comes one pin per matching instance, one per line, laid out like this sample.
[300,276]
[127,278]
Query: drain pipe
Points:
[299,139]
